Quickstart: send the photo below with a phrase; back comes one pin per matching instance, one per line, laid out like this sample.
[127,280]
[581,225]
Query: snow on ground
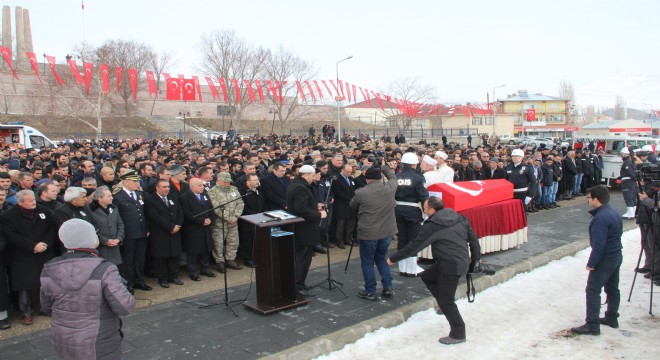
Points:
[529,317]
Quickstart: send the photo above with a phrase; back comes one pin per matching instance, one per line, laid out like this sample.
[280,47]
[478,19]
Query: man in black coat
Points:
[130,203]
[197,234]
[275,186]
[301,202]
[343,189]
[178,184]
[254,203]
[165,221]
[449,234]
[493,171]
[30,231]
[570,173]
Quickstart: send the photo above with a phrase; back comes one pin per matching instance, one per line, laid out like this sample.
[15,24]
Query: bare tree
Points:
[128,55]
[158,63]
[227,56]
[411,90]
[286,68]
[567,92]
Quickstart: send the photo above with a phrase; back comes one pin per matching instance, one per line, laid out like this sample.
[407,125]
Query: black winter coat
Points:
[162,219]
[275,191]
[343,193]
[196,238]
[301,202]
[254,203]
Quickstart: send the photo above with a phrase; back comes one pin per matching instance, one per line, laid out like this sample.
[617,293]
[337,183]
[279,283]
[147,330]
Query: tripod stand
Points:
[332,283]
[222,207]
[654,234]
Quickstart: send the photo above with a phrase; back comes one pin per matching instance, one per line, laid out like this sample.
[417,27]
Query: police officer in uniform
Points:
[628,183]
[521,176]
[410,195]
[222,193]
[130,203]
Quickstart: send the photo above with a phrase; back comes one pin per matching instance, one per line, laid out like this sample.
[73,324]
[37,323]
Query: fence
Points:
[452,134]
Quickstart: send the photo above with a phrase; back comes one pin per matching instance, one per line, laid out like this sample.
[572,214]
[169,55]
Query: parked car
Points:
[508,139]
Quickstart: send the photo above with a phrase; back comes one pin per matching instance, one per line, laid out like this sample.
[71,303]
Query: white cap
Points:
[78,234]
[625,150]
[429,160]
[409,158]
[647,148]
[306,169]
[441,154]
[517,152]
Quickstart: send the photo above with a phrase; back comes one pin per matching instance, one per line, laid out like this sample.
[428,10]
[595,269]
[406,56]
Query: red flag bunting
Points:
[32,57]
[335,87]
[133,78]
[173,89]
[279,90]
[260,90]
[88,66]
[363,95]
[318,88]
[300,91]
[340,85]
[51,63]
[188,87]
[348,91]
[151,83]
[327,87]
[6,54]
[237,90]
[166,76]
[271,89]
[74,70]
[223,87]
[311,92]
[354,94]
[380,101]
[105,81]
[198,87]
[118,71]
[250,91]
[214,90]
[368,96]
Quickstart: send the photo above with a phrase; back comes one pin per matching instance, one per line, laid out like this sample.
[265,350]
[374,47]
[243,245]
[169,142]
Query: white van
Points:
[23,137]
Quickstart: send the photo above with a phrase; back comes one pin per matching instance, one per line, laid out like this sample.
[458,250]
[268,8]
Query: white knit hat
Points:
[78,234]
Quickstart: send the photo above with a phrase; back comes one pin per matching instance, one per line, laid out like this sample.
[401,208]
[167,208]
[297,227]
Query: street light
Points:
[339,98]
[495,106]
[272,127]
[183,116]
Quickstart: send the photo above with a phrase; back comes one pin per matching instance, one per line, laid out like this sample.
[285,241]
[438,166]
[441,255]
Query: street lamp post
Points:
[339,98]
[495,106]
[182,115]
[272,127]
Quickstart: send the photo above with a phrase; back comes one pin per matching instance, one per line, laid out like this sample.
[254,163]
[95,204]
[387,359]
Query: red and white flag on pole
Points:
[88,66]
[118,71]
[151,83]
[214,90]
[74,69]
[105,81]
[531,114]
[133,78]
[311,91]
[51,63]
[173,89]
[301,92]
[318,88]
[32,57]
[188,87]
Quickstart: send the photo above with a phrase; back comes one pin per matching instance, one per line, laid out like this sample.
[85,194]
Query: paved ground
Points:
[179,329]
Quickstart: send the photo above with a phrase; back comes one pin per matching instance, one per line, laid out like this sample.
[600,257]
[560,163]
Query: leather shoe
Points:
[341,246]
[305,293]
[164,284]
[405,274]
[307,287]
[613,323]
[447,340]
[318,249]
[387,292]
[251,263]
[4,324]
[195,278]
[142,286]
[221,268]
[232,264]
[27,320]
[643,270]
[208,273]
[176,281]
[585,330]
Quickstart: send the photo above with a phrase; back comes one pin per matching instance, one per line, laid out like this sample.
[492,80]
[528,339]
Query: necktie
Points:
[199,197]
[133,195]
[165,200]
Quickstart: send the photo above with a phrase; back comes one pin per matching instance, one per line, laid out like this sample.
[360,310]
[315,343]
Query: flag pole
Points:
[82,5]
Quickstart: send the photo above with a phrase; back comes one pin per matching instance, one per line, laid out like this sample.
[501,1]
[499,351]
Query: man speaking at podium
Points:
[300,202]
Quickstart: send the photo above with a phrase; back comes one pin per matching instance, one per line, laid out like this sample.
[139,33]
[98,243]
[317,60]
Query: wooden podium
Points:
[275,259]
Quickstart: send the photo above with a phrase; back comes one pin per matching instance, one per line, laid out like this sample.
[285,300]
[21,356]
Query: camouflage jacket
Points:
[220,195]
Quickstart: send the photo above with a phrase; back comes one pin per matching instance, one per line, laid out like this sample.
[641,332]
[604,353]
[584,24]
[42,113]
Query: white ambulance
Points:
[19,136]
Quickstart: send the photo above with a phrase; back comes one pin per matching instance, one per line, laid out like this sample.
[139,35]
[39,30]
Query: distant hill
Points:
[632,114]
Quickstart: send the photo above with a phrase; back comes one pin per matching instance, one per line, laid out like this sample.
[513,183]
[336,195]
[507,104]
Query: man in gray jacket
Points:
[376,226]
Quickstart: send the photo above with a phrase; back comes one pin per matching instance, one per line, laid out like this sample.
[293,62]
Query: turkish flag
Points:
[301,91]
[32,57]
[88,66]
[327,87]
[74,70]
[105,81]
[318,88]
[271,89]
[166,75]
[279,90]
[311,91]
[250,91]
[214,90]
[354,94]
[188,87]
[335,87]
[173,89]
[118,77]
[260,90]
[151,83]
[363,95]
[6,54]
[348,91]
[531,114]
[237,91]
[198,87]
[51,63]
[223,87]
[133,78]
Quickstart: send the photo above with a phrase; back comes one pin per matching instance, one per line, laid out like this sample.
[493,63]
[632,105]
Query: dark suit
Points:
[275,190]
[197,239]
[570,172]
[136,227]
[490,174]
[254,203]
[344,190]
[164,246]
[148,184]
[176,192]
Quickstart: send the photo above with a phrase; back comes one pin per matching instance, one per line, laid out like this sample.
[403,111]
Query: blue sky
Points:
[461,48]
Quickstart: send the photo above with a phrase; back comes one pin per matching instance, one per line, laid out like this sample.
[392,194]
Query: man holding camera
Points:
[447,232]
[651,268]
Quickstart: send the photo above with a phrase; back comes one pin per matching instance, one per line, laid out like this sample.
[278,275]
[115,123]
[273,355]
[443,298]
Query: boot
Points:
[630,214]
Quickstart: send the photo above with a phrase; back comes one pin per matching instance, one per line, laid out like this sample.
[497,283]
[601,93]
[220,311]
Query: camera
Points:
[648,172]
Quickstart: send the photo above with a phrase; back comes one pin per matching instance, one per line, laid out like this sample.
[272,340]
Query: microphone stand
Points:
[332,283]
[224,253]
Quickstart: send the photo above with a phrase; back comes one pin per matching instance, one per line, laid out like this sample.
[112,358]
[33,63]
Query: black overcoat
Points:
[162,219]
[196,238]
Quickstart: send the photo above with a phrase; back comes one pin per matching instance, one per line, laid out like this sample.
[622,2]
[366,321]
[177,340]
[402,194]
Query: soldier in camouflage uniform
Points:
[220,194]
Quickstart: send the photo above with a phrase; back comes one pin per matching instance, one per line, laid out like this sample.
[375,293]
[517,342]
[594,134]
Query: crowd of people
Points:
[153,203]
